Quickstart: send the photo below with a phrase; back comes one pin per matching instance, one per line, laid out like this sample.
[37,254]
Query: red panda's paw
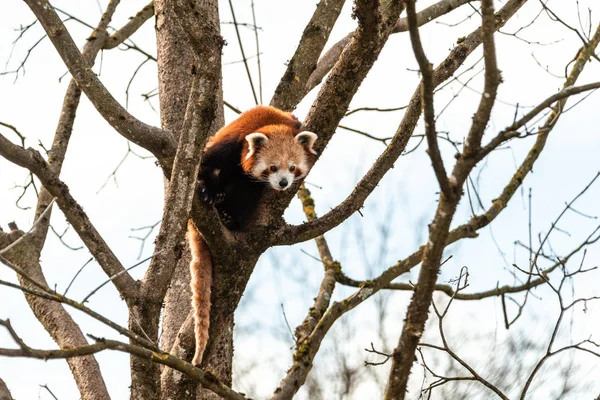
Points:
[227,220]
[220,197]
[205,192]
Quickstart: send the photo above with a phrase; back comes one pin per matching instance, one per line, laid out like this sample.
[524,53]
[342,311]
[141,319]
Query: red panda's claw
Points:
[226,219]
[220,198]
[204,192]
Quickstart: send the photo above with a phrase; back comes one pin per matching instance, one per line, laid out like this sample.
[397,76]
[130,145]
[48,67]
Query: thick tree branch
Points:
[157,141]
[42,290]
[56,320]
[295,234]
[134,23]
[200,24]
[491,81]
[180,194]
[291,88]
[203,34]
[206,39]
[33,161]
[374,28]
[427,88]
[328,60]
[417,312]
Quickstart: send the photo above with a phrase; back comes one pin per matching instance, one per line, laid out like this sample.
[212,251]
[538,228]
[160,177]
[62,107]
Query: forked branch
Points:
[33,161]
[157,141]
[296,234]
[291,90]
[134,23]
[429,14]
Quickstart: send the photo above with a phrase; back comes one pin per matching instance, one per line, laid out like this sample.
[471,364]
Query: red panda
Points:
[263,148]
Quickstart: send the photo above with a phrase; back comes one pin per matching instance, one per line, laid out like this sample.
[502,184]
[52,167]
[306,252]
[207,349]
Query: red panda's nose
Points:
[283,183]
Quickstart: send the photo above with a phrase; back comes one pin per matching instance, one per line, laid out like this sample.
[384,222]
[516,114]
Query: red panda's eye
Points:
[292,168]
[273,168]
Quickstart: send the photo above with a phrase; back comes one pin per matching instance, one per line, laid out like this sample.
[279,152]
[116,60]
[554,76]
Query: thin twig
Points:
[76,275]
[239,39]
[427,87]
[260,89]
[86,298]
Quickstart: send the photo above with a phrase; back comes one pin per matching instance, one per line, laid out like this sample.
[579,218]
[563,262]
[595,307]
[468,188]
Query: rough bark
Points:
[174,81]
[145,374]
[416,317]
[230,279]
[291,88]
[64,129]
[330,57]
[295,234]
[4,392]
[175,59]
[177,303]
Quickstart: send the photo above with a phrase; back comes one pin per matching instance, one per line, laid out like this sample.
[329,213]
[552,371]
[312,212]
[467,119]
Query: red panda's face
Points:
[280,159]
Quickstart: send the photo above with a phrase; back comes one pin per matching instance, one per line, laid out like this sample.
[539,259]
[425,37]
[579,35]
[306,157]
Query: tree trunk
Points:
[231,276]
[145,374]
[177,303]
[175,58]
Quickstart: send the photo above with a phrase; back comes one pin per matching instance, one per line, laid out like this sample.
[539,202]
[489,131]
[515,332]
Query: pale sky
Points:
[403,203]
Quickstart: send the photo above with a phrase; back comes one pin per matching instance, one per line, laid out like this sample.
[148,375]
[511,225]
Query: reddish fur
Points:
[254,119]
[264,119]
[201,280]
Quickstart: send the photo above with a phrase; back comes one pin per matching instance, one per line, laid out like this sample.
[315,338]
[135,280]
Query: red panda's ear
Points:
[307,139]
[255,140]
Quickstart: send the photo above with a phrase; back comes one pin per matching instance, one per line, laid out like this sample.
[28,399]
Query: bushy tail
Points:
[201,281]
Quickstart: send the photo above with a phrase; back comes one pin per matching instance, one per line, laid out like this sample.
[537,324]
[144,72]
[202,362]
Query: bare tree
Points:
[159,334]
